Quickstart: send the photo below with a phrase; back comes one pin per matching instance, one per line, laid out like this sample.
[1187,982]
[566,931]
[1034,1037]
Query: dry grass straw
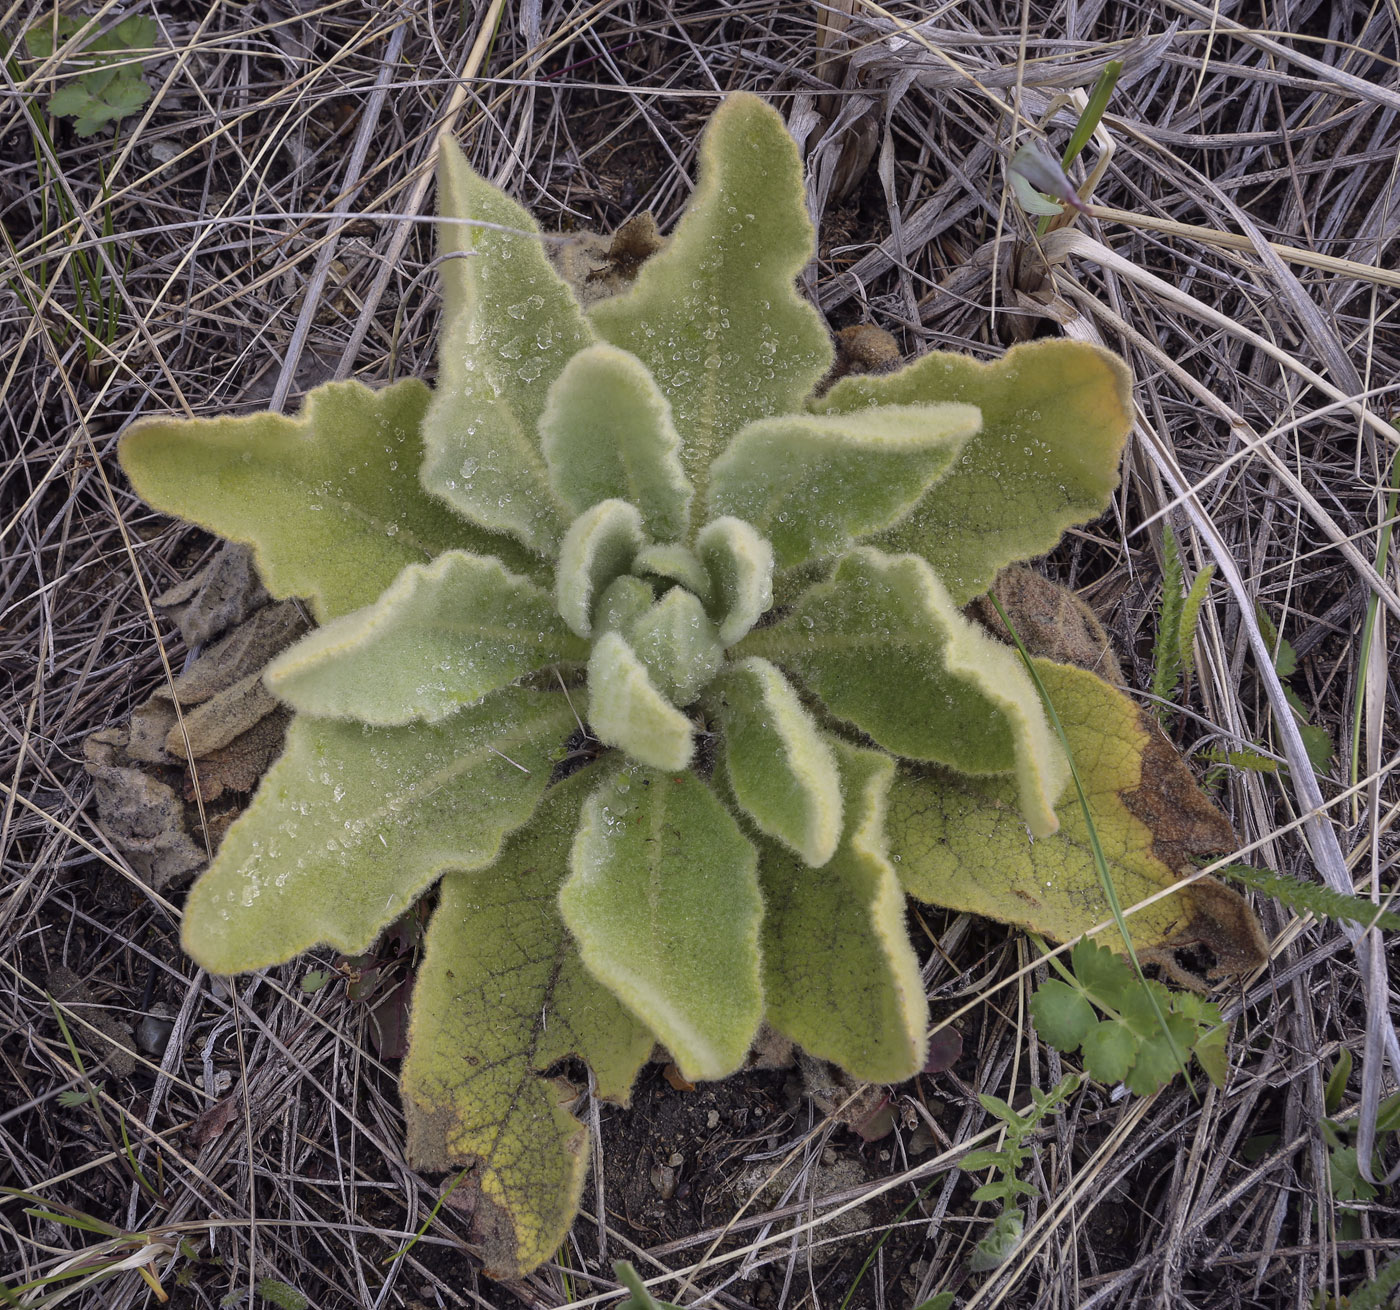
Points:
[271,211]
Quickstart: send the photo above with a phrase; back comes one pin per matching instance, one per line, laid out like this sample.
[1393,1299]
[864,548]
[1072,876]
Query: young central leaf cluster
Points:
[641,528]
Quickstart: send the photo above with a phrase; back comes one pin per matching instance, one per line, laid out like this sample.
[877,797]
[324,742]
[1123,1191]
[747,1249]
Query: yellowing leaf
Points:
[859,1001]
[329,501]
[351,824]
[886,650]
[813,484]
[674,937]
[716,316]
[607,435]
[501,996]
[442,636]
[511,325]
[959,843]
[1055,415]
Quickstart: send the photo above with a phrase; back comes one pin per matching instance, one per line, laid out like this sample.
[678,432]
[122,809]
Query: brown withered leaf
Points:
[221,595]
[1051,621]
[228,730]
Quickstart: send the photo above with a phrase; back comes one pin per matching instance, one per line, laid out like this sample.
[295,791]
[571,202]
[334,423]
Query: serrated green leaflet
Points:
[674,939]
[329,501]
[607,435]
[716,316]
[629,712]
[882,635]
[782,771]
[512,326]
[501,996]
[1055,415]
[945,831]
[599,548]
[351,824]
[442,636]
[678,643]
[740,565]
[812,485]
[860,1002]
[1062,1015]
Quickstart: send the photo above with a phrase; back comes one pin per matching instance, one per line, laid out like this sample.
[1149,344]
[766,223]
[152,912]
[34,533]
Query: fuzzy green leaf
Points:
[599,548]
[740,564]
[630,713]
[673,938]
[678,643]
[1062,1015]
[1055,415]
[351,824]
[859,1001]
[782,771]
[813,485]
[442,636]
[501,996]
[1166,649]
[885,648]
[1190,618]
[1312,898]
[622,603]
[675,564]
[716,316]
[510,326]
[329,501]
[607,435]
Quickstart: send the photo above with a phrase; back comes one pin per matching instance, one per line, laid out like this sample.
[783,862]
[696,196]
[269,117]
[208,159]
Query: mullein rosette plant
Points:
[652,655]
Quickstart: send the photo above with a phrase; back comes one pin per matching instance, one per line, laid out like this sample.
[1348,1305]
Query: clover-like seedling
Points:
[628,634]
[112,87]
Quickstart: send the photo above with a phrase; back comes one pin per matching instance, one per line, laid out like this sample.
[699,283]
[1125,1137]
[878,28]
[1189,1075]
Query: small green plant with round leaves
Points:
[651,653]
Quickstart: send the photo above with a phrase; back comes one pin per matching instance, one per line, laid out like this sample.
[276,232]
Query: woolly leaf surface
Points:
[781,769]
[716,316]
[629,712]
[886,649]
[599,548]
[674,563]
[510,326]
[813,484]
[1055,415]
[840,976]
[442,636]
[352,823]
[958,842]
[673,936]
[622,603]
[501,996]
[740,565]
[329,501]
[678,643]
[607,435]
